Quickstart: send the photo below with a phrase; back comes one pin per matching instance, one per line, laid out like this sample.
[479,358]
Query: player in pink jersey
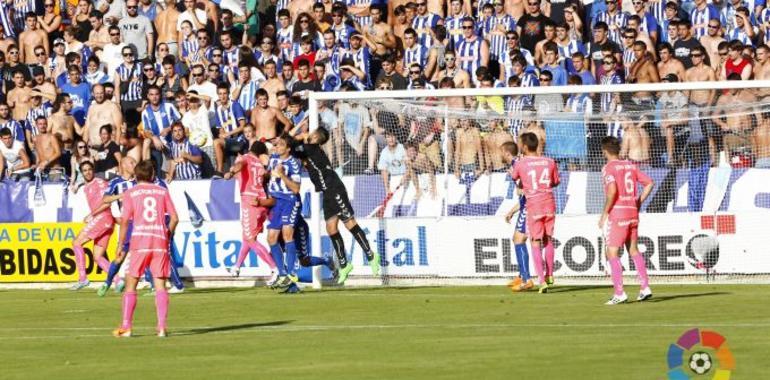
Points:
[538,176]
[147,205]
[620,218]
[99,226]
[251,167]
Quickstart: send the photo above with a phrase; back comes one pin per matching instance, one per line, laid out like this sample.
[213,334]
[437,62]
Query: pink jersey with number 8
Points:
[147,205]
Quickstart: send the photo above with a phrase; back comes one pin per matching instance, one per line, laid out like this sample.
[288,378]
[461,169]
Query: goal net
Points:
[429,183]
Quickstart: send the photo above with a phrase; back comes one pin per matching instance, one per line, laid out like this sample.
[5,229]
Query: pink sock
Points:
[550,253]
[161,306]
[242,254]
[80,262]
[537,257]
[263,253]
[617,275]
[129,304]
[641,270]
[103,263]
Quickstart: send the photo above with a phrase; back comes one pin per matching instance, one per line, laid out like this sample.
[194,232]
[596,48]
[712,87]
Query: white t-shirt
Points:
[201,15]
[206,88]
[12,155]
[112,56]
[393,160]
[199,123]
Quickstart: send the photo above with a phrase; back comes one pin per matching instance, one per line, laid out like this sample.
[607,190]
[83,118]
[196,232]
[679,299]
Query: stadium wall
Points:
[35,242]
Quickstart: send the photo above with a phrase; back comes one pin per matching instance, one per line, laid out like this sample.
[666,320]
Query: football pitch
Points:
[379,333]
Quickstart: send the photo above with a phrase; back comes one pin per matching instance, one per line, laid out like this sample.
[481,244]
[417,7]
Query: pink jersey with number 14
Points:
[147,205]
[251,175]
[625,175]
[538,177]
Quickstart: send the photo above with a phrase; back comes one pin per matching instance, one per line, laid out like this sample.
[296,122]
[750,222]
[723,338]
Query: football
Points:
[700,362]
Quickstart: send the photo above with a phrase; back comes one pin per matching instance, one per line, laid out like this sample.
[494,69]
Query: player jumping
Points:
[538,177]
[621,207]
[335,202]
[284,187]
[252,172]
[99,226]
[147,205]
[510,153]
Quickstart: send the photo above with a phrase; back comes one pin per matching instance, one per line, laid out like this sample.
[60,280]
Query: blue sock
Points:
[175,279]
[148,278]
[114,268]
[522,256]
[291,257]
[275,251]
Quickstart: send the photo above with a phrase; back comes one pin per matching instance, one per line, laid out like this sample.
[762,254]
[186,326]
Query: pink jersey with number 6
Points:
[625,175]
[147,205]
[538,177]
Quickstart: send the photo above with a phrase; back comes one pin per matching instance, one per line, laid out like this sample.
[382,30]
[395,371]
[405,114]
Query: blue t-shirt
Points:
[81,99]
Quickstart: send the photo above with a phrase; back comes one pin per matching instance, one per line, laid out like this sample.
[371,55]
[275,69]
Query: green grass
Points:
[381,333]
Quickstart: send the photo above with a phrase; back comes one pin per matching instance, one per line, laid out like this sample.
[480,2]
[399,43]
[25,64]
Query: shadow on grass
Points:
[688,295]
[576,288]
[243,326]
[337,288]
[193,290]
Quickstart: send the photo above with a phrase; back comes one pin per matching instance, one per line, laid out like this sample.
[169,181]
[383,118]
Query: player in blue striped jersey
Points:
[524,282]
[284,187]
[423,23]
[231,119]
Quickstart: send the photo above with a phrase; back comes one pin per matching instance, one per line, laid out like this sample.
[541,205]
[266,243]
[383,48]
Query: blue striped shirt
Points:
[514,107]
[615,129]
[17,132]
[334,53]
[248,96]
[469,55]
[284,38]
[423,25]
[185,170]
[606,97]
[230,57]
[156,120]
[132,76]
[529,80]
[363,58]
[43,110]
[580,103]
[229,116]
[764,18]
[364,21]
[342,34]
[619,19]
[454,28]
[416,54]
[5,19]
[276,187]
[498,43]
[21,8]
[118,186]
[700,20]
[189,47]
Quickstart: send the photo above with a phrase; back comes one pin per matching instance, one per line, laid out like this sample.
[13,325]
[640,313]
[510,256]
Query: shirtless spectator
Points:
[31,37]
[420,171]
[48,152]
[19,97]
[668,63]
[635,145]
[736,125]
[99,35]
[468,152]
[64,127]
[643,70]
[266,118]
[762,70]
[711,41]
[674,120]
[761,148]
[102,112]
[273,84]
[166,26]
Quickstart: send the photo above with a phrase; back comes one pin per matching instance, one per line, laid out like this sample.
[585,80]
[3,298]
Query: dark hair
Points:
[107,128]
[611,145]
[510,147]
[258,148]
[145,171]
[529,140]
[5,132]
[602,25]
[295,100]
[86,163]
[323,135]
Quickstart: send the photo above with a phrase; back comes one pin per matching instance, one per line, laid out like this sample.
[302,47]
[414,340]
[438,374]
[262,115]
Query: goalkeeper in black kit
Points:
[334,200]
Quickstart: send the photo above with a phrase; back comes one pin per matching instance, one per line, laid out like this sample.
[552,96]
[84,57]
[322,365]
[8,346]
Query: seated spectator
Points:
[82,154]
[157,118]
[107,154]
[196,120]
[297,116]
[392,158]
[231,120]
[186,158]
[15,163]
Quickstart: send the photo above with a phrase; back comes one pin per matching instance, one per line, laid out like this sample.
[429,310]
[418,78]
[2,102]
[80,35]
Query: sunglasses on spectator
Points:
[128,55]
[608,62]
[696,55]
[115,34]
[304,21]
[131,6]
[213,70]
[722,53]
[203,38]
[467,26]
[421,4]
[40,53]
[533,4]
[414,72]
[628,36]
[13,52]
[196,75]
[512,38]
[149,69]
[544,79]
[81,146]
[713,26]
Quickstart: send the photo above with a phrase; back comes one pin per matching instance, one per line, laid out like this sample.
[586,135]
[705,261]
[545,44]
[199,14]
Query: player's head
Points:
[283,144]
[258,148]
[509,150]
[87,168]
[320,136]
[529,142]
[127,165]
[145,171]
[610,147]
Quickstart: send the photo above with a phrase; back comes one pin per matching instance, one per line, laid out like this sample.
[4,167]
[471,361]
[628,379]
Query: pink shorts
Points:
[99,230]
[621,231]
[158,261]
[252,220]
[539,226]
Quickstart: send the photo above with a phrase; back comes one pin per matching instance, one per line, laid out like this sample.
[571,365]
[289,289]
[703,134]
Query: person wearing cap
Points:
[57,63]
[31,37]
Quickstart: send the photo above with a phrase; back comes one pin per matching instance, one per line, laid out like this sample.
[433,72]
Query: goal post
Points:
[428,184]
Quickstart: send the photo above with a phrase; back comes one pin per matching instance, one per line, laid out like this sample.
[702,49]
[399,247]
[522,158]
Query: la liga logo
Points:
[700,354]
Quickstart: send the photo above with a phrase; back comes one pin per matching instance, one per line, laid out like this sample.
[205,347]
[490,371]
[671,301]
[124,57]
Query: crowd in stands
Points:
[191,83]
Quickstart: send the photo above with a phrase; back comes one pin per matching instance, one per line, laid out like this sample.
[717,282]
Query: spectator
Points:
[736,62]
[389,71]
[157,118]
[231,120]
[137,29]
[392,159]
[196,120]
[761,147]
[684,45]
[107,154]
[599,44]
[81,154]
[186,158]
[531,26]
[356,126]
[79,92]
[15,163]
[674,121]
[668,63]
[472,51]
[711,42]
[48,152]
[553,65]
